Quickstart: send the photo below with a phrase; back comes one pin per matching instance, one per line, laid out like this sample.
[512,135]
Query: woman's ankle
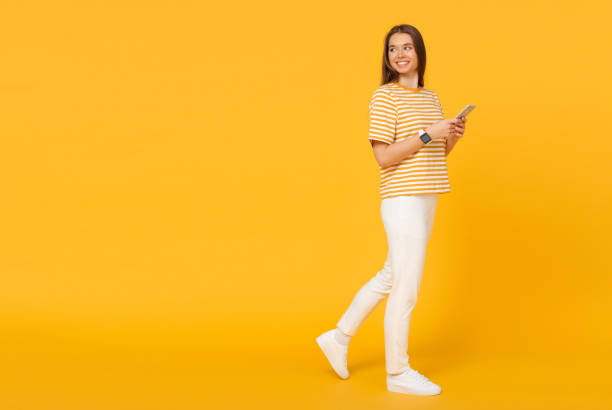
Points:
[341,337]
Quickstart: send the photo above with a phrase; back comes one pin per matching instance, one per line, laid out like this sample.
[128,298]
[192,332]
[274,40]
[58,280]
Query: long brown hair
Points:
[388,73]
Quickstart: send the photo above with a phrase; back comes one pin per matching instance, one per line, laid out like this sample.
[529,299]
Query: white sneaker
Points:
[335,352]
[412,382]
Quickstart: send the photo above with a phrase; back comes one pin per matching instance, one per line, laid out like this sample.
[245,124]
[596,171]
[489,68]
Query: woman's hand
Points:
[459,127]
[443,128]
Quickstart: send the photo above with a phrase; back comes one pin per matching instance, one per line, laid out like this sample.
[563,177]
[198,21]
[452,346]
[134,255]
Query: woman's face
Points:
[402,54]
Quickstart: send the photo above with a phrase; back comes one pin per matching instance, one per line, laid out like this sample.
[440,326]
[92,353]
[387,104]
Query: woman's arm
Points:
[450,144]
[389,154]
[453,139]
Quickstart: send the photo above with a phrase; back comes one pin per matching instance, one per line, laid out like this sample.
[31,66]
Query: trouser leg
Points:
[408,223]
[366,299]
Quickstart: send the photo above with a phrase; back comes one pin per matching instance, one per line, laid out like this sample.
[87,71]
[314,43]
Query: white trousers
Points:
[408,222]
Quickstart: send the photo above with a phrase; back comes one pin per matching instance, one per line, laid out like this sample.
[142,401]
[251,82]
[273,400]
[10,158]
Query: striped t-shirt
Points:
[397,113]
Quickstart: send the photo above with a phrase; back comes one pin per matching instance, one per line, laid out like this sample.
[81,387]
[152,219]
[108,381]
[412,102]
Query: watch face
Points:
[425,137]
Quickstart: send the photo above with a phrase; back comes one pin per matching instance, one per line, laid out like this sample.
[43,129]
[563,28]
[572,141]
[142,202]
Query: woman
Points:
[410,139]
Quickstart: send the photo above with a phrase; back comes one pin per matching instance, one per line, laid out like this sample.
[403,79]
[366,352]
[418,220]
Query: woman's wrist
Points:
[430,132]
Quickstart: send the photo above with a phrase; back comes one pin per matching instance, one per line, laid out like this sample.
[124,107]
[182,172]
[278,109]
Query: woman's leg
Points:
[334,343]
[379,286]
[408,222]
[366,299]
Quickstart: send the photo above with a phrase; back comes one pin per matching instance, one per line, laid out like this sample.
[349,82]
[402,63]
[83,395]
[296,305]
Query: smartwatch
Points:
[424,136]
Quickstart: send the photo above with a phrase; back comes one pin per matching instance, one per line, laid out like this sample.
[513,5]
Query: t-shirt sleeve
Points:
[383,116]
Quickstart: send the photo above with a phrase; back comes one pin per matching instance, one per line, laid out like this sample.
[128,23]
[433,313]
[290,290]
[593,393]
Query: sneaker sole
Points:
[406,390]
[321,344]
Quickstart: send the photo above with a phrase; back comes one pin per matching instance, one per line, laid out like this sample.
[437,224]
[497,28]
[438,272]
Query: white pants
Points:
[408,222]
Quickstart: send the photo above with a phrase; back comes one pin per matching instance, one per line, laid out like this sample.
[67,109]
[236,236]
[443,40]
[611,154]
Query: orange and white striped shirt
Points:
[397,113]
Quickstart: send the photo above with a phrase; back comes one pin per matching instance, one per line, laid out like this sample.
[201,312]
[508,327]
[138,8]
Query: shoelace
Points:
[420,378]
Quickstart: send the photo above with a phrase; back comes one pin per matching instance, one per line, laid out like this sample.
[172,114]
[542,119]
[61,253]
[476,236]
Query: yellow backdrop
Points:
[190,199]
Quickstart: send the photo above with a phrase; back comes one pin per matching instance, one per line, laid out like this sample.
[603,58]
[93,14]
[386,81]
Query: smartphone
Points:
[464,112]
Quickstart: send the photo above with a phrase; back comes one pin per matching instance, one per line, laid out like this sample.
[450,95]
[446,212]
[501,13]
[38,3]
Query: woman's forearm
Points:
[450,143]
[398,151]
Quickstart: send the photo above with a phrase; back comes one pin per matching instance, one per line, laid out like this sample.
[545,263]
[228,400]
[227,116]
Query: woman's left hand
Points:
[460,127]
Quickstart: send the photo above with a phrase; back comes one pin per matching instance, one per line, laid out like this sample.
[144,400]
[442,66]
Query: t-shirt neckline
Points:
[407,88]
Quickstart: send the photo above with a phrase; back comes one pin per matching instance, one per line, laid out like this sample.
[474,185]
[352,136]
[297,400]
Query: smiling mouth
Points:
[402,63]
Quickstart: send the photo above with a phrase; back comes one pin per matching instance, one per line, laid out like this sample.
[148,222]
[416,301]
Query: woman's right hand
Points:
[442,129]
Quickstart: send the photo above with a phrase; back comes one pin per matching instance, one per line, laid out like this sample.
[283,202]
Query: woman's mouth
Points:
[402,63]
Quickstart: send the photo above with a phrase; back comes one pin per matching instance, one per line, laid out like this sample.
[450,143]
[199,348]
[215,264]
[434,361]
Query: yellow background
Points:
[190,199]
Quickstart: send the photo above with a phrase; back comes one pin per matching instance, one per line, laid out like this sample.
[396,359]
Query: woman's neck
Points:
[410,80]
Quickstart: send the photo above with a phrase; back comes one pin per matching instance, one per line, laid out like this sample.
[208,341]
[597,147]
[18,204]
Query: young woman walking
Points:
[410,139]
